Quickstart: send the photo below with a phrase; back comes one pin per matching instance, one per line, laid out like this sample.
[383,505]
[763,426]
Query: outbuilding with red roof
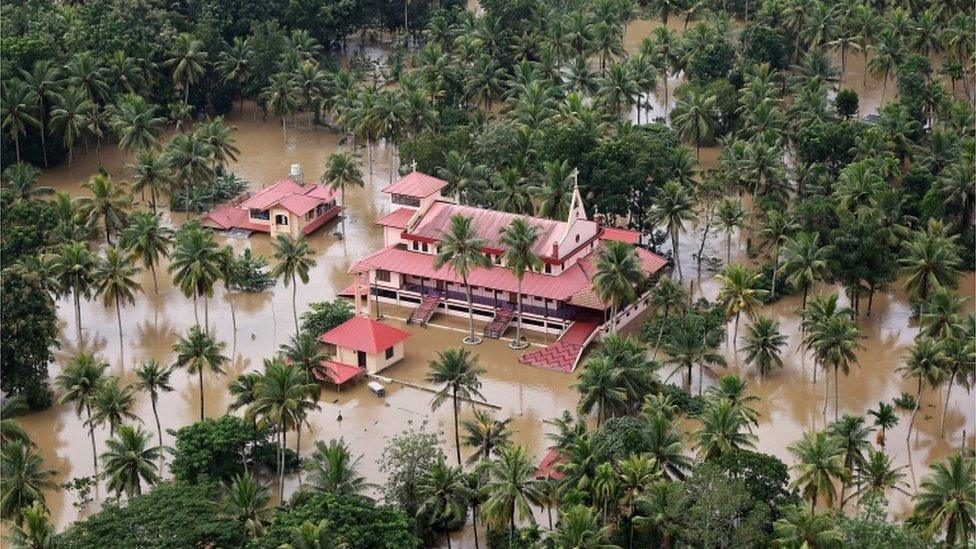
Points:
[364,343]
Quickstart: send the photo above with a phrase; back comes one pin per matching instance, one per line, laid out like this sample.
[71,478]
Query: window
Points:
[548,268]
[382,275]
[577,239]
[281,219]
[423,247]
[259,214]
[414,245]
[389,353]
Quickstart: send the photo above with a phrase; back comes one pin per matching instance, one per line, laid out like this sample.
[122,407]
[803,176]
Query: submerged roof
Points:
[364,334]
[290,195]
[336,372]
[416,185]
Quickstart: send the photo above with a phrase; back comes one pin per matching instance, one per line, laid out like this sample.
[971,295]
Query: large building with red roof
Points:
[554,297]
[289,207]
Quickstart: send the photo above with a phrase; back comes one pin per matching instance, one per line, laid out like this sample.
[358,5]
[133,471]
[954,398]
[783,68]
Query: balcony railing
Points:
[564,312]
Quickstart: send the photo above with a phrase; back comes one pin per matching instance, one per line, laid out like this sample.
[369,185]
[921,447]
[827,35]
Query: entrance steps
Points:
[499,323]
[564,354]
[426,309]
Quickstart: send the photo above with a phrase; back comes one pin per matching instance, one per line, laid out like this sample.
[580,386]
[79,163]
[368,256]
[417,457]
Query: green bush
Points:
[325,315]
[354,520]
[172,514]
[213,448]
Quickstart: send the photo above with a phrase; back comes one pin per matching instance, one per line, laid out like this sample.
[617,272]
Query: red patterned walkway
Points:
[561,355]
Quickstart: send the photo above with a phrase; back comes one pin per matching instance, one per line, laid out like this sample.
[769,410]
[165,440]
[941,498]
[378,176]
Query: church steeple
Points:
[576,208]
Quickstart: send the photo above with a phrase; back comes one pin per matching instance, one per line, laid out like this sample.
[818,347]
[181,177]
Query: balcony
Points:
[564,312]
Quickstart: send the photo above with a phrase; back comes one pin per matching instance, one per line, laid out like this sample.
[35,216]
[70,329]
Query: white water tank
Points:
[296,173]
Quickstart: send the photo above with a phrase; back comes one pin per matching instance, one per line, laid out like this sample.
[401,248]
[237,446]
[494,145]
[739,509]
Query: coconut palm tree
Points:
[342,169]
[24,480]
[730,215]
[664,444]
[21,178]
[149,240]
[667,295]
[198,351]
[18,108]
[601,386]
[129,461]
[695,118]
[135,124]
[80,380]
[332,470]
[151,171]
[580,527]
[926,363]
[510,193]
[234,64]
[190,160]
[295,259]
[930,262]
[115,281]
[45,80]
[220,137]
[195,265]
[282,399]
[68,117]
[835,345]
[618,270]
[34,530]
[764,343]
[113,403]
[690,344]
[738,293]
[777,229]
[802,527]
[462,250]
[73,266]
[305,350]
[520,238]
[722,430]
[877,475]
[618,88]
[805,261]
[884,418]
[10,430]
[281,96]
[852,434]
[189,63]
[153,378]
[673,207]
[661,509]
[819,461]
[486,434]
[887,56]
[734,389]
[457,372]
[443,495]
[556,192]
[108,202]
[945,502]
[636,474]
[512,488]
[247,501]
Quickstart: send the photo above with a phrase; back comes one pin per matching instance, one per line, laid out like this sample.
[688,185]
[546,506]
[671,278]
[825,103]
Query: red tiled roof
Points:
[231,217]
[364,334]
[299,204]
[559,286]
[620,235]
[336,372]
[547,467]
[397,218]
[417,185]
[488,225]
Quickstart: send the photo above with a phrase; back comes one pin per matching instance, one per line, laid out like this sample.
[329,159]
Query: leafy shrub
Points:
[172,514]
[252,275]
[325,315]
[214,448]
[203,196]
[354,520]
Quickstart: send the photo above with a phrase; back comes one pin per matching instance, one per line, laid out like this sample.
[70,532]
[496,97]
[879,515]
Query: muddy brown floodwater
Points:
[790,402]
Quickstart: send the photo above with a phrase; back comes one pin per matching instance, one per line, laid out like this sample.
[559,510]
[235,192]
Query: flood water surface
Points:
[790,403]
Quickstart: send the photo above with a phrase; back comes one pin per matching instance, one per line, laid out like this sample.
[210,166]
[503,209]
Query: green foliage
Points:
[764,44]
[689,404]
[871,529]
[721,511]
[356,521]
[711,61]
[405,459]
[710,316]
[827,142]
[619,438]
[251,273]
[846,103]
[30,331]
[213,448]
[766,477]
[325,315]
[205,195]
[172,514]
[26,227]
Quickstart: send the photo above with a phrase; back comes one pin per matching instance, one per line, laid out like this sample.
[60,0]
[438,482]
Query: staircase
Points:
[426,309]
[499,323]
[563,355]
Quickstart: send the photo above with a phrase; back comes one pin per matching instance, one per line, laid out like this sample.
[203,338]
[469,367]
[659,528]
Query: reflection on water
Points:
[790,404]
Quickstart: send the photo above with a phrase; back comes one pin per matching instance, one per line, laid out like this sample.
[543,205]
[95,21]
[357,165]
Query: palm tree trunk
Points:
[196,315]
[281,463]
[152,269]
[118,317]
[294,301]
[728,247]
[660,332]
[43,140]
[945,407]
[701,246]
[772,291]
[918,404]
[836,391]
[233,313]
[457,431]
[471,338]
[447,534]
[735,331]
[200,374]
[512,526]
[77,313]
[91,434]
[518,323]
[17,145]
[826,390]
[474,525]
[884,88]
[674,250]
[159,428]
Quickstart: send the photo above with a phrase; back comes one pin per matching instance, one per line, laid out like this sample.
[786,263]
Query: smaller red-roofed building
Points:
[364,343]
[289,207]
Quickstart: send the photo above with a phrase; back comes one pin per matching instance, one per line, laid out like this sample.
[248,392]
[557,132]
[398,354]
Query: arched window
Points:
[281,219]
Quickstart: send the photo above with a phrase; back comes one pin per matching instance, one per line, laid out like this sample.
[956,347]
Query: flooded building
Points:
[289,207]
[560,298]
[359,346]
